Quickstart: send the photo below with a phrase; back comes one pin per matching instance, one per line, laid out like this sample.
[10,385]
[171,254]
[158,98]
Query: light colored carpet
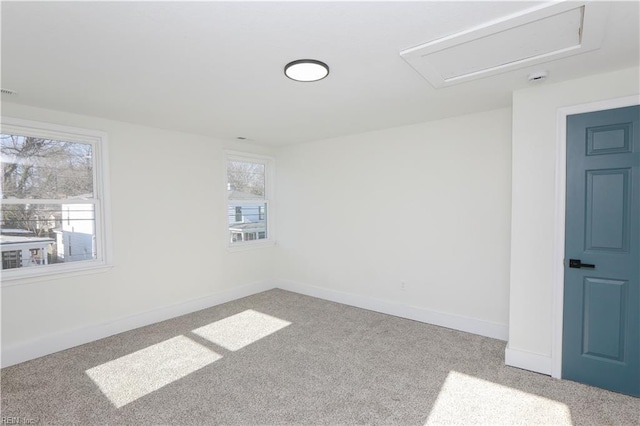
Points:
[283,358]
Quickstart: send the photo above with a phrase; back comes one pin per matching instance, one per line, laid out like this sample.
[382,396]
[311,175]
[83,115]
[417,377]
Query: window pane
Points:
[245,180]
[247,222]
[41,234]
[44,168]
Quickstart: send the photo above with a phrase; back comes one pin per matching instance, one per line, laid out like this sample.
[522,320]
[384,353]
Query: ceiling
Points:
[216,68]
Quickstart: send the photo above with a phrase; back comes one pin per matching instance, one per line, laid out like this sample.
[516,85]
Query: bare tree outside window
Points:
[37,168]
[47,192]
[45,169]
[247,178]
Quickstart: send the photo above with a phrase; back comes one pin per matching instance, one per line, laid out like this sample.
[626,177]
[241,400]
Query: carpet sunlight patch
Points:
[467,400]
[237,331]
[133,376]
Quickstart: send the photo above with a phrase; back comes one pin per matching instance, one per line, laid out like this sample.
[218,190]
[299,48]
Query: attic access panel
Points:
[541,34]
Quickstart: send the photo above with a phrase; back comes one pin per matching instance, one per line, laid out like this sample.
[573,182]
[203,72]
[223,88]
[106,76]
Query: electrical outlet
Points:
[403,286]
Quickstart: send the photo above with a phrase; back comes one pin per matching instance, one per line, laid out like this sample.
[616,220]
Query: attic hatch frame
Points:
[590,34]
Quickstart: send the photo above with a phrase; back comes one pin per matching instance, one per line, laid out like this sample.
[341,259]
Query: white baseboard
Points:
[456,322]
[527,360]
[36,348]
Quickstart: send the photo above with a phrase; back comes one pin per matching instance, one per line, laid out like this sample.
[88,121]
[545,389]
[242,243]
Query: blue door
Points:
[601,326]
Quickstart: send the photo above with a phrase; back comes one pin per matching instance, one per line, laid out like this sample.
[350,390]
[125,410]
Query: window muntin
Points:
[52,217]
[247,200]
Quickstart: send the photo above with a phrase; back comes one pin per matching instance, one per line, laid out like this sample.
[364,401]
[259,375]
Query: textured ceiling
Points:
[216,68]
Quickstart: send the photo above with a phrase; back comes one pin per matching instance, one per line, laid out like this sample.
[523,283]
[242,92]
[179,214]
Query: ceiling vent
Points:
[541,34]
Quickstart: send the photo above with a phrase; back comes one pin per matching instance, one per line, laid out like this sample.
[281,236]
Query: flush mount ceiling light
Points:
[306,70]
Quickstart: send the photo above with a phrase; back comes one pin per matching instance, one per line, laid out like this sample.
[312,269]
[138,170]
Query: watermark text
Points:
[17,420]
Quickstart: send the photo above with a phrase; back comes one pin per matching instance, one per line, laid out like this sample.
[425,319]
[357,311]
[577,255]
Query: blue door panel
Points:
[603,316]
[607,210]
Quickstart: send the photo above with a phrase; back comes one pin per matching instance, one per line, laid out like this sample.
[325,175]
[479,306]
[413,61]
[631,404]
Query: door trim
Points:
[557,312]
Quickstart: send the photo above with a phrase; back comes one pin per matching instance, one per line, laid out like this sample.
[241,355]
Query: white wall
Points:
[533,197]
[428,205]
[169,240]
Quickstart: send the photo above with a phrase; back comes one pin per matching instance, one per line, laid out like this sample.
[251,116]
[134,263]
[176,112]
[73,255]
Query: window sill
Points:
[10,279]
[250,246]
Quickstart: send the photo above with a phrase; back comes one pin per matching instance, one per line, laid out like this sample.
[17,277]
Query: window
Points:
[248,191]
[11,259]
[53,214]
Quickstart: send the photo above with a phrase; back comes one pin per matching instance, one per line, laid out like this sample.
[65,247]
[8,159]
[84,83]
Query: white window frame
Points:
[101,201]
[269,163]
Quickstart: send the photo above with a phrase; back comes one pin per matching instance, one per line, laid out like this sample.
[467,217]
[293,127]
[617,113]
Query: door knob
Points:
[577,263]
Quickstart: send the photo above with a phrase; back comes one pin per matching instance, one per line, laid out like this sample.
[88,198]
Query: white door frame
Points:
[558,251]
